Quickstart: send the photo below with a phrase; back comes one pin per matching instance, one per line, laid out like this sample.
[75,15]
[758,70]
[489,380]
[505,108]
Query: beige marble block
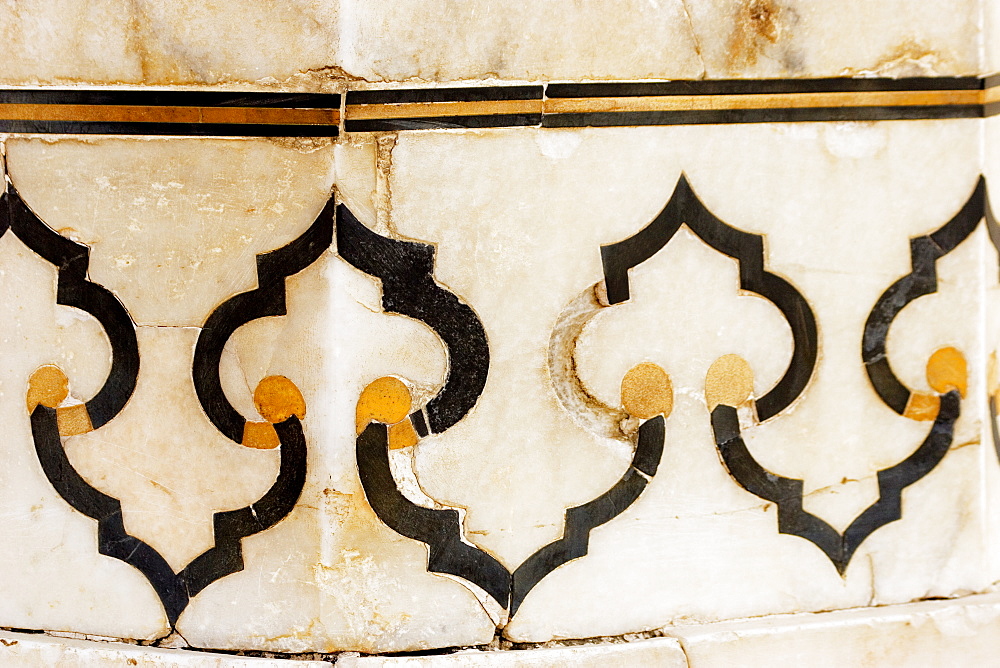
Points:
[318,46]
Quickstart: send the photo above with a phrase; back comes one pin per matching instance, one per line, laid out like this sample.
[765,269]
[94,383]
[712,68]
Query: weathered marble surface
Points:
[517,218]
[930,633]
[819,195]
[317,45]
[22,650]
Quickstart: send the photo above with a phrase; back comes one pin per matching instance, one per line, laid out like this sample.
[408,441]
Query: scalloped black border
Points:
[174,590]
[794,520]
[581,520]
[925,251]
[267,299]
[684,208]
[406,269]
[408,288]
[441,530]
[73,289]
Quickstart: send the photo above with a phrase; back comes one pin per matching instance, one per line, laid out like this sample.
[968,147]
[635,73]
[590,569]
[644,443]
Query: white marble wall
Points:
[516,218]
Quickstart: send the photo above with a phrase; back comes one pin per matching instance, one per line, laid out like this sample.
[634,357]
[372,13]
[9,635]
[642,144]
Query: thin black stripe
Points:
[721,116]
[442,122]
[174,129]
[148,98]
[465,94]
[764,86]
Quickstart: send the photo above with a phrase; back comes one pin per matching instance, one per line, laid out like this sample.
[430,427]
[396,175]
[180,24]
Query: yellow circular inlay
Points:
[947,371]
[386,400]
[47,386]
[729,382]
[647,391]
[277,399]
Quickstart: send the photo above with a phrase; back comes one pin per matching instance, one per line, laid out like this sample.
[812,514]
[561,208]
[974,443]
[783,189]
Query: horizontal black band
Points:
[463,94]
[763,86]
[443,122]
[157,98]
[171,129]
[724,116]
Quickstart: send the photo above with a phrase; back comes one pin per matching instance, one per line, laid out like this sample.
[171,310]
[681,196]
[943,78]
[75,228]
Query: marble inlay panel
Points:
[400,391]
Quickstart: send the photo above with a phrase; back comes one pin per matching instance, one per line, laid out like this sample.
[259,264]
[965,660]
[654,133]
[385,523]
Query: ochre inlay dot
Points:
[277,399]
[647,391]
[47,386]
[947,371]
[729,382]
[386,400]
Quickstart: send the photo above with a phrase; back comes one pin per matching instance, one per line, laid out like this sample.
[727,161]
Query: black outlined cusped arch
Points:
[794,520]
[925,251]
[175,590]
[406,271]
[787,493]
[684,208]
[441,529]
[267,299]
[74,289]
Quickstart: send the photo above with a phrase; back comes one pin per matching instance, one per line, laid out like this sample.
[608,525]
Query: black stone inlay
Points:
[761,86]
[787,492]
[419,423]
[793,115]
[73,289]
[461,94]
[441,530]
[581,520]
[267,299]
[684,208]
[408,288]
[925,251]
[167,129]
[175,590]
[442,122]
[151,98]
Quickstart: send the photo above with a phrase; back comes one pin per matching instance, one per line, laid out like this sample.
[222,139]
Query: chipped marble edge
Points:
[899,615]
[30,649]
[669,650]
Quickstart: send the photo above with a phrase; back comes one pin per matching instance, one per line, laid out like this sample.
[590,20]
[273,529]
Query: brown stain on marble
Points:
[757,24]
[911,58]
[47,386]
[647,391]
[729,382]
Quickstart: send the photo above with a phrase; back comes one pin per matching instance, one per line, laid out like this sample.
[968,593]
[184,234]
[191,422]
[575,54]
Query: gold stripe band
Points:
[219,115]
[764,101]
[363,112]
[369,112]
